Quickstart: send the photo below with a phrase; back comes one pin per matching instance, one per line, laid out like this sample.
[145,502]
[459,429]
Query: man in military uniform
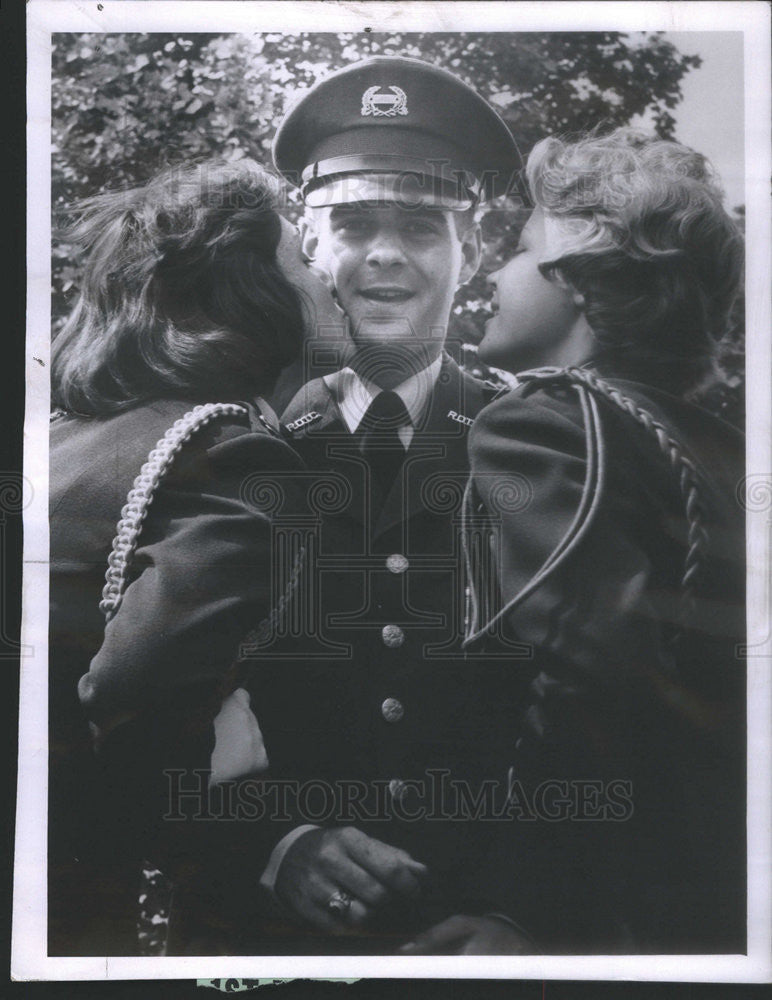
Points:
[377,703]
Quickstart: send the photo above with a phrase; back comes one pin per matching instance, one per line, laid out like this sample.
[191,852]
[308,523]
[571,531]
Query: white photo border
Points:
[29,958]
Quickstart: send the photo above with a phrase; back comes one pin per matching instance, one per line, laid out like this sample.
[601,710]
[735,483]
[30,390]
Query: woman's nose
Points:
[322,274]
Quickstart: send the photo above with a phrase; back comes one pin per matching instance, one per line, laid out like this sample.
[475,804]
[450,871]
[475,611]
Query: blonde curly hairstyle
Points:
[636,224]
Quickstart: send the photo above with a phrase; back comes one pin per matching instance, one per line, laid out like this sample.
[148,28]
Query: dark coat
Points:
[377,693]
[199,581]
[639,716]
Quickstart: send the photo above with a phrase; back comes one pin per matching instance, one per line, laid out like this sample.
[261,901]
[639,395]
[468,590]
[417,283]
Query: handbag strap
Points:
[142,493]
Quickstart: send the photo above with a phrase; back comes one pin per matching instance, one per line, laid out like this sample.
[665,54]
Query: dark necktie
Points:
[381,445]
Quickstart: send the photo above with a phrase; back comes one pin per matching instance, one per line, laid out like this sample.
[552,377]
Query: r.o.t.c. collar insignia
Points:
[389,105]
[304,421]
[460,418]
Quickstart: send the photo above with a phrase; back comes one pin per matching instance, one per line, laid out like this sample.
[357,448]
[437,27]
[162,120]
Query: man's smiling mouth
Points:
[384,293]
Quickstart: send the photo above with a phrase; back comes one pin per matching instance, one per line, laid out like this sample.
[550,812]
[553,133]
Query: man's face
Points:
[395,271]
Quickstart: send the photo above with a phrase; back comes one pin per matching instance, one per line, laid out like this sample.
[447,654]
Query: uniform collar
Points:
[353,394]
[269,414]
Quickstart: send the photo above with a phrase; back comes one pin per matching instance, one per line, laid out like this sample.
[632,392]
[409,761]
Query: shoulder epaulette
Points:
[141,495]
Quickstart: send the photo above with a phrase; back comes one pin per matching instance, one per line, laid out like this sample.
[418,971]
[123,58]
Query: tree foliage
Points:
[125,105]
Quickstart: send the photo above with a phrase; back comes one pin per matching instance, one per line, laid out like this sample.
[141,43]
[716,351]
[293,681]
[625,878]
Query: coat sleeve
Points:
[595,613]
[201,578]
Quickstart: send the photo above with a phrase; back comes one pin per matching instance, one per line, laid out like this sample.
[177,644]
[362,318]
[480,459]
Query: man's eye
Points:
[421,228]
[352,226]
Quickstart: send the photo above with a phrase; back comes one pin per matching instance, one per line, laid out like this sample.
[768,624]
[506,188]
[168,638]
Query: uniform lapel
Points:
[316,428]
[313,398]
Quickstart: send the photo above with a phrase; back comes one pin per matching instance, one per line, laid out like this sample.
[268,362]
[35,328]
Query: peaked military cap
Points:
[392,128]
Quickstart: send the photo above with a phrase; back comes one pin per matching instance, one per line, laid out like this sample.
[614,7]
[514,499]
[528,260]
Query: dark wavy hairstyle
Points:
[181,296]
[636,225]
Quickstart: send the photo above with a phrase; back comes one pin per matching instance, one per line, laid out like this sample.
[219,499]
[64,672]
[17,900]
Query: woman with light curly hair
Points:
[615,543]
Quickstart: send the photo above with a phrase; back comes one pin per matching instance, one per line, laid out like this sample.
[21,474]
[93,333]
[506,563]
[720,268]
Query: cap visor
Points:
[407,190]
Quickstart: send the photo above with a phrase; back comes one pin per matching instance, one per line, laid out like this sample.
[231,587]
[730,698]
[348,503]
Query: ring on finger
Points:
[339,903]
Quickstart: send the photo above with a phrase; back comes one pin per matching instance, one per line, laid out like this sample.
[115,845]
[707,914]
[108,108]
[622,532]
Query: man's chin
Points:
[392,359]
[372,329]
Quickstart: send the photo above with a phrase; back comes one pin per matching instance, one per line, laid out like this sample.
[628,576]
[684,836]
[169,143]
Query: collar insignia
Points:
[379,105]
[460,418]
[304,421]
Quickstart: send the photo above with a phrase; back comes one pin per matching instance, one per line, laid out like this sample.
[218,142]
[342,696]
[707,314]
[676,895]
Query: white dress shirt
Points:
[353,396]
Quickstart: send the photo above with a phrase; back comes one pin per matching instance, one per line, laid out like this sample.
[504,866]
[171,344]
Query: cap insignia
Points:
[378,104]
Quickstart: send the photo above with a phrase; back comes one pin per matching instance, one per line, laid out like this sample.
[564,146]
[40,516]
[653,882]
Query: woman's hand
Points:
[322,863]
[462,935]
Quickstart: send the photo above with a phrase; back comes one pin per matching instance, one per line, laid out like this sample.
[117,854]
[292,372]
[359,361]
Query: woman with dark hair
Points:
[194,297]
[615,542]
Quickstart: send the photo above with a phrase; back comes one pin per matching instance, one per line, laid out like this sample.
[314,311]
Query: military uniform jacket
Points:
[633,723]
[199,581]
[372,695]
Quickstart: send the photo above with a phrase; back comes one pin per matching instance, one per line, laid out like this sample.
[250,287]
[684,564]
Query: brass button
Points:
[392,710]
[397,789]
[397,563]
[392,636]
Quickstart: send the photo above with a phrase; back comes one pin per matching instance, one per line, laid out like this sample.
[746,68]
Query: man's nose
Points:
[385,250]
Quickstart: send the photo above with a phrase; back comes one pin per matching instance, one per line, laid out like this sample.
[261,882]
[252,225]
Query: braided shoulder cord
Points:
[141,495]
[592,492]
[683,467]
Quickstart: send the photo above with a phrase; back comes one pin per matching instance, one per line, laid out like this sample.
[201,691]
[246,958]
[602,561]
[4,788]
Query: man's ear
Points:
[309,238]
[471,249]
